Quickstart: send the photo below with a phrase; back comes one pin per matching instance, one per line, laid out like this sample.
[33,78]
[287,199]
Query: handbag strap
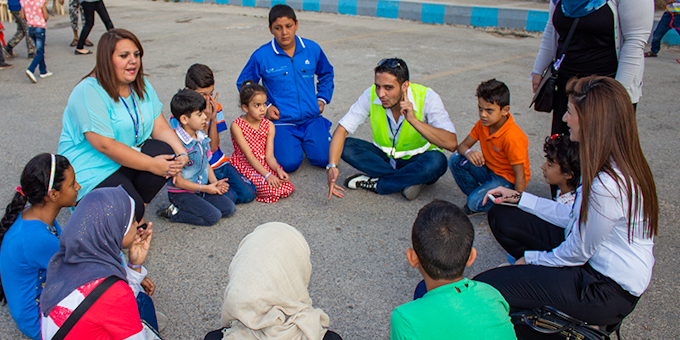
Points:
[90,299]
[563,51]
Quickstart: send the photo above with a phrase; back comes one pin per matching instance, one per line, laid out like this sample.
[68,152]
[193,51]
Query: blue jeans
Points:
[475,181]
[660,31]
[147,311]
[241,189]
[425,168]
[200,209]
[38,36]
[312,136]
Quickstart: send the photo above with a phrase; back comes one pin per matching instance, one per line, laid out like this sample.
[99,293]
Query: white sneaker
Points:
[410,193]
[162,320]
[45,75]
[361,181]
[31,77]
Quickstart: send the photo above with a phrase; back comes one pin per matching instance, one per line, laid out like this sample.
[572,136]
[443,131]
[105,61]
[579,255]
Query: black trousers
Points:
[89,8]
[217,335]
[142,186]
[581,292]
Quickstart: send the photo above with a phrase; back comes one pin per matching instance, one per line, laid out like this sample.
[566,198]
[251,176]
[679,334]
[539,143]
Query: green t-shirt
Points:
[461,310]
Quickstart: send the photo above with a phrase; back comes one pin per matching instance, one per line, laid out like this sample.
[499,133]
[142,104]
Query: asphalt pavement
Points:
[358,243]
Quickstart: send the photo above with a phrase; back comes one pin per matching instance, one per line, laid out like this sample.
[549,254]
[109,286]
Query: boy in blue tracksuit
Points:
[287,66]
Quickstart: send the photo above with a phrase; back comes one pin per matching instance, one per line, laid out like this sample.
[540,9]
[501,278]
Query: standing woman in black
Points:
[89,7]
[609,41]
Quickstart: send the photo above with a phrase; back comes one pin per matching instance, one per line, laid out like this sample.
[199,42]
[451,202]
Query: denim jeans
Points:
[22,31]
[200,209]
[475,181]
[660,31]
[38,35]
[147,311]
[241,190]
[425,168]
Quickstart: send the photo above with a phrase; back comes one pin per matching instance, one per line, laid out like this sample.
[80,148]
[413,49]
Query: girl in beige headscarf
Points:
[267,296]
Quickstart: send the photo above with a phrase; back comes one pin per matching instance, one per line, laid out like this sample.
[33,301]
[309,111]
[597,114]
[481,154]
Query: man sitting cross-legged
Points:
[410,126]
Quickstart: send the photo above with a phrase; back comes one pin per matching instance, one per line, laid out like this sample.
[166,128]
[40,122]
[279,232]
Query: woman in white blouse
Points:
[592,260]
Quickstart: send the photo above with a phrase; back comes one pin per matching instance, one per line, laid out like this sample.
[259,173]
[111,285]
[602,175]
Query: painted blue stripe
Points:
[433,13]
[536,21]
[310,5]
[347,7]
[222,2]
[248,3]
[387,9]
[484,16]
[201,1]
[272,3]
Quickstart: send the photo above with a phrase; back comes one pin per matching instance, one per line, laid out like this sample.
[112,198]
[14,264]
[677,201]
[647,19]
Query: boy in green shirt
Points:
[453,307]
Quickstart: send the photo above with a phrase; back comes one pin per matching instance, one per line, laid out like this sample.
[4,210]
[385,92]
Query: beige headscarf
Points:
[267,296]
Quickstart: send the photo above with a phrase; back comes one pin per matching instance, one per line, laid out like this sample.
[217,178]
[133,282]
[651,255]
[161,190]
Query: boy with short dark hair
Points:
[196,194]
[200,78]
[453,306]
[504,160]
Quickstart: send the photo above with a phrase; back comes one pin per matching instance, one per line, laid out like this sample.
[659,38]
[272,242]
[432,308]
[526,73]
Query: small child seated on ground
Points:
[562,167]
[200,78]
[504,160]
[196,195]
[452,306]
[253,138]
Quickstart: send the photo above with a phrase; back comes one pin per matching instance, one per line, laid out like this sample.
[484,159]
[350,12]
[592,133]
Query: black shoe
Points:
[31,55]
[4,66]
[168,211]
[361,181]
[9,54]
[471,213]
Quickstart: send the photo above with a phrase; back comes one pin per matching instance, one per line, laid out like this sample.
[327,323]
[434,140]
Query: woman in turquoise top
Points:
[29,237]
[109,120]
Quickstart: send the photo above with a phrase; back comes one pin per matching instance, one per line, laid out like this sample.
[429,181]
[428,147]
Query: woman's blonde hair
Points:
[609,135]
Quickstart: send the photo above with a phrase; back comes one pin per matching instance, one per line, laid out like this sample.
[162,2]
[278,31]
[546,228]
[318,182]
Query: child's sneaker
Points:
[362,181]
[31,55]
[5,66]
[471,213]
[411,192]
[168,212]
[45,75]
[30,76]
[162,321]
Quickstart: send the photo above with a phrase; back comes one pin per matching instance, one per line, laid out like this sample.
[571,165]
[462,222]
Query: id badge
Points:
[393,163]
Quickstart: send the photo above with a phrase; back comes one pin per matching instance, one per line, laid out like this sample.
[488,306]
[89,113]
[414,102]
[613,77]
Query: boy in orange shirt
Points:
[504,160]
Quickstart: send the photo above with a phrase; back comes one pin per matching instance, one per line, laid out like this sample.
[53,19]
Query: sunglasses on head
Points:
[391,62]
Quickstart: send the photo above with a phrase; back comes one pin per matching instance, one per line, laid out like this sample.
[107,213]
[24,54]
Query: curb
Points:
[513,18]
[525,19]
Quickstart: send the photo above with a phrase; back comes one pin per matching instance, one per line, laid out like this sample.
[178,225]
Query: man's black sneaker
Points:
[361,181]
[5,66]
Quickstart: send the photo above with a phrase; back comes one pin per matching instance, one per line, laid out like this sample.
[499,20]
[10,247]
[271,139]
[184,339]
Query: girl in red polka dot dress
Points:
[253,138]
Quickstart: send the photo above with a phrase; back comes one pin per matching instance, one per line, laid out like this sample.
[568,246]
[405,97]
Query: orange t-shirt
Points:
[507,147]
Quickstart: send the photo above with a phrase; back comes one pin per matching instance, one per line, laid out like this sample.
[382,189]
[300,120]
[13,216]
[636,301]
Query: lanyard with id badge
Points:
[135,122]
[393,161]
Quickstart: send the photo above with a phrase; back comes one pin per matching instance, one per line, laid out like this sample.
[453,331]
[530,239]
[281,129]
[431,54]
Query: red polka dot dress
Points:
[257,141]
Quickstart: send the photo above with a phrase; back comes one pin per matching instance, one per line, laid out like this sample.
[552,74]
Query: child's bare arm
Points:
[221,184]
[23,14]
[211,128]
[44,11]
[269,151]
[520,178]
[475,157]
[237,134]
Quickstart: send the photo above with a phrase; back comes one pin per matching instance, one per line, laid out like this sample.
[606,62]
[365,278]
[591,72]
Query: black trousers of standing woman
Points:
[142,186]
[581,291]
[89,8]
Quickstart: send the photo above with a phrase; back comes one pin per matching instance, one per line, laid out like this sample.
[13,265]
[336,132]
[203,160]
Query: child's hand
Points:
[222,186]
[475,157]
[211,189]
[273,181]
[283,176]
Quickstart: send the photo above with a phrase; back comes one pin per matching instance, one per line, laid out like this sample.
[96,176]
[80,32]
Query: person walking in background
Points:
[89,7]
[665,24]
[22,32]
[35,13]
[73,8]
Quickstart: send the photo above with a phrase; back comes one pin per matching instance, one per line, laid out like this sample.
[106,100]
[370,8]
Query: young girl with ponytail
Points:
[29,236]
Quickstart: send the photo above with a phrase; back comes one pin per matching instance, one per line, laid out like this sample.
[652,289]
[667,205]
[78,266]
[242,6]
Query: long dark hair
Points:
[104,72]
[34,183]
[608,136]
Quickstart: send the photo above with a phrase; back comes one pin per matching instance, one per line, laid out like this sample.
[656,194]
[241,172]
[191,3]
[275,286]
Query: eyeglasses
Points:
[391,62]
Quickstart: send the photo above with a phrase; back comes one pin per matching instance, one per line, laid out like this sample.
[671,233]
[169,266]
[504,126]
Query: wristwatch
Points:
[331,165]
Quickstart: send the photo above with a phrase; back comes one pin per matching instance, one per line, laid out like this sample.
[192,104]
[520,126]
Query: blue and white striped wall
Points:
[530,20]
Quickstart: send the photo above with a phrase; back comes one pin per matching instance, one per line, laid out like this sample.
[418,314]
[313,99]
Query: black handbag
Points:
[545,93]
[550,321]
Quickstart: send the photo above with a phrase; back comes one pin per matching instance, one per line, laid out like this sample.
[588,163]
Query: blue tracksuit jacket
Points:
[290,81]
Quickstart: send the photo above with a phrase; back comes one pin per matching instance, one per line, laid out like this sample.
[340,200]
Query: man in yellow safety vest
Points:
[410,127]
